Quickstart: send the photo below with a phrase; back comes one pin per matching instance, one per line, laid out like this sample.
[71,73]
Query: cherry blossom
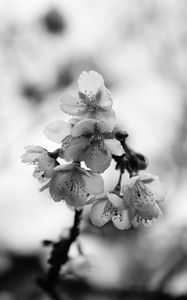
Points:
[39,157]
[142,194]
[92,137]
[92,100]
[91,141]
[110,207]
[74,184]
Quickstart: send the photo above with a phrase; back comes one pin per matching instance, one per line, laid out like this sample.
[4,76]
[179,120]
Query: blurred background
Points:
[140,48]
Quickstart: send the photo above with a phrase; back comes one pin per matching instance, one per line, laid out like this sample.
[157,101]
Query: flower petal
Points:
[114,146]
[94,183]
[90,82]
[122,220]
[100,115]
[148,223]
[157,212]
[69,186]
[158,190]
[129,183]
[108,115]
[39,174]
[32,154]
[97,215]
[153,183]
[57,131]
[65,145]
[74,148]
[116,200]
[104,98]
[35,149]
[127,195]
[72,104]
[47,164]
[44,187]
[150,213]
[56,187]
[96,158]
[135,222]
[84,127]
[73,121]
[104,126]
[147,177]
[142,198]
[29,158]
[66,167]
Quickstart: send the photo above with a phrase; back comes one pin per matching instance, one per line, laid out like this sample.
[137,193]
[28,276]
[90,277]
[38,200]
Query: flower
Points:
[142,194]
[110,207]
[139,203]
[74,184]
[44,164]
[92,99]
[91,141]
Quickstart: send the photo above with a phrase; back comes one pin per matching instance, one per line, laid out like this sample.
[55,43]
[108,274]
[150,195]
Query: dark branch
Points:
[59,256]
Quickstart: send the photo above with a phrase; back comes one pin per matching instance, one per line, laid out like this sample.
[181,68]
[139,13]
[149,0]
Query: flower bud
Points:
[142,161]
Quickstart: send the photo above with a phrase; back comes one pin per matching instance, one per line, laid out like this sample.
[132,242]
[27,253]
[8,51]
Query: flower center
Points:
[75,186]
[90,100]
[112,212]
[142,197]
[96,145]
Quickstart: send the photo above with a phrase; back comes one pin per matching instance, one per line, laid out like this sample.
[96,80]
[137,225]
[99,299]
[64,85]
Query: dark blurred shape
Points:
[32,92]
[131,161]
[19,282]
[6,296]
[54,22]
[142,161]
[5,263]
[47,243]
[136,161]
[65,77]
[120,135]
[79,290]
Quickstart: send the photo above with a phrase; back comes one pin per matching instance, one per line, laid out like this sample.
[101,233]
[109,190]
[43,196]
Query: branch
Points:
[59,256]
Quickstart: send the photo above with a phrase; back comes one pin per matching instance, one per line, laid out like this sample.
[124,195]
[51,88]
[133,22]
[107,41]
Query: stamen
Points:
[66,142]
[142,196]
[117,214]
[89,99]
[108,211]
[111,212]
[76,186]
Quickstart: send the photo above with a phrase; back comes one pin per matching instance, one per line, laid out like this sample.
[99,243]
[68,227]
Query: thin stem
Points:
[118,186]
[59,256]
[120,178]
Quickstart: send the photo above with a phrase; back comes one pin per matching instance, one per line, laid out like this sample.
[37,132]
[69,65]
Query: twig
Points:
[59,256]
[118,186]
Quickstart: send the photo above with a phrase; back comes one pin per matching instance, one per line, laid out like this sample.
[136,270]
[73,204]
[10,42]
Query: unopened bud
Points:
[142,161]
[120,135]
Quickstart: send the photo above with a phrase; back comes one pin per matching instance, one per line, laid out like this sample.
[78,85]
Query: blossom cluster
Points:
[90,137]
